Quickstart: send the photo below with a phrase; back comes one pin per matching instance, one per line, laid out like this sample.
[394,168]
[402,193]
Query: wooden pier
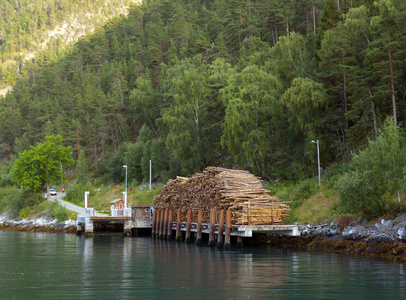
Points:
[219,233]
[164,223]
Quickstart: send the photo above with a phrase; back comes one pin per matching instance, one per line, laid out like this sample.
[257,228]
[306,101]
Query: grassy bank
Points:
[309,202]
[99,198]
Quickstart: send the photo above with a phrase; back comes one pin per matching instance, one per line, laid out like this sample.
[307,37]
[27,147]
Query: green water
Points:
[62,266]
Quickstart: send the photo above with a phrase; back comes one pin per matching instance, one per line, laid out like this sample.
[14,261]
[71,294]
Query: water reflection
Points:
[53,266]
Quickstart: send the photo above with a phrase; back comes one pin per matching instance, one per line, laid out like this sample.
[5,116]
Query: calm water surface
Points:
[63,266]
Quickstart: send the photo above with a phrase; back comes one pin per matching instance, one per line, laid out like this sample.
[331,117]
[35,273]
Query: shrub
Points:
[76,193]
[303,190]
[59,212]
[14,199]
[295,193]
[52,209]
[374,174]
[145,196]
[24,212]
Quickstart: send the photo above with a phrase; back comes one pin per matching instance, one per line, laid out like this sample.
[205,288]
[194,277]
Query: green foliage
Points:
[59,212]
[24,212]
[298,192]
[306,101]
[116,163]
[375,174]
[187,119]
[251,107]
[81,170]
[76,193]
[53,209]
[5,175]
[145,196]
[14,200]
[42,164]
[333,174]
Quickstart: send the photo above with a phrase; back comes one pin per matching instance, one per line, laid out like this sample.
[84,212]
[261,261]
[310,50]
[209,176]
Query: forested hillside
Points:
[189,84]
[35,29]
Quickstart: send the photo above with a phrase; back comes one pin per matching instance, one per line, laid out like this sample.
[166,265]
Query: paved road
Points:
[70,206]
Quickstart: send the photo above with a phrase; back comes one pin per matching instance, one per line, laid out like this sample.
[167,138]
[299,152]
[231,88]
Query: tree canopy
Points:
[42,164]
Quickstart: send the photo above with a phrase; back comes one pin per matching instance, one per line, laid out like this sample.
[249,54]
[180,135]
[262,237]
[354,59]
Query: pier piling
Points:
[199,227]
[159,231]
[165,227]
[178,225]
[170,219]
[153,223]
[227,239]
[212,242]
[188,226]
[220,229]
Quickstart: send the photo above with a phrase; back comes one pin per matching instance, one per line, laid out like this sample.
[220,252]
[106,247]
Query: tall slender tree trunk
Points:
[276,33]
[78,141]
[392,87]
[48,192]
[239,35]
[307,23]
[249,15]
[314,19]
[95,154]
[373,110]
[345,100]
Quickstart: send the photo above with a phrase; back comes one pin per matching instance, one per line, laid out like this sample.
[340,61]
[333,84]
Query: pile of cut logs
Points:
[219,188]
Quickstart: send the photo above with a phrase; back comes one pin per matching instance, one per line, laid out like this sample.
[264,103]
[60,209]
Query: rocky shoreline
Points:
[40,224]
[385,238]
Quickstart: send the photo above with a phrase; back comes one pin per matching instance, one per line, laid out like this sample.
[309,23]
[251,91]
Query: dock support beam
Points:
[212,242]
[170,219]
[165,226]
[127,227]
[160,213]
[153,223]
[188,226]
[89,212]
[227,239]
[199,227]
[220,229]
[178,225]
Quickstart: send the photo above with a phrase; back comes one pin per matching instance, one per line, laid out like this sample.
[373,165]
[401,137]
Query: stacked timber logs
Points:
[219,188]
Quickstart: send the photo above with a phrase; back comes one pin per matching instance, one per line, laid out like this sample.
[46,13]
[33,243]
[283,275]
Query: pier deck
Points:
[245,230]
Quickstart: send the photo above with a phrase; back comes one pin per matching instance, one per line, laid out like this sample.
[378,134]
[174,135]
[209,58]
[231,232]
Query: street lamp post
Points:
[150,173]
[125,195]
[318,156]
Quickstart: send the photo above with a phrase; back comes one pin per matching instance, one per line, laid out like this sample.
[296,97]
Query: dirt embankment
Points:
[385,238]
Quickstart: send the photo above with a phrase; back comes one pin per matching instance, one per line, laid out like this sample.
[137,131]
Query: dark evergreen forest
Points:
[240,84]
